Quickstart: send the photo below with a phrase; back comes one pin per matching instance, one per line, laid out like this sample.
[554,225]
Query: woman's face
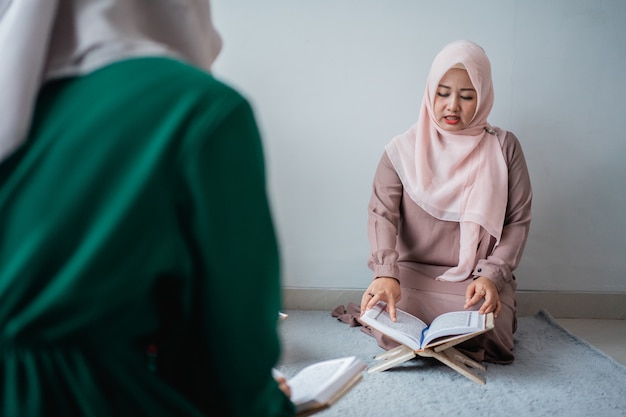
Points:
[455,101]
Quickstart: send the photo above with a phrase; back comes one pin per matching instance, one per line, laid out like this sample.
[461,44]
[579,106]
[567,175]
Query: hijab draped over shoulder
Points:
[42,40]
[456,176]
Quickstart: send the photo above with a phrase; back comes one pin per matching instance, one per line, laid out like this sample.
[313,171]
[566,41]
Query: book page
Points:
[406,330]
[454,323]
[316,385]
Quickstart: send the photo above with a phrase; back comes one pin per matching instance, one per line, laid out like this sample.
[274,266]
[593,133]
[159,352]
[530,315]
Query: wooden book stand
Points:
[444,352]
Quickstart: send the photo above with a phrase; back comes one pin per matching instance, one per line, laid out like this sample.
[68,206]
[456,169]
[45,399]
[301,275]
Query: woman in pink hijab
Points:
[451,207]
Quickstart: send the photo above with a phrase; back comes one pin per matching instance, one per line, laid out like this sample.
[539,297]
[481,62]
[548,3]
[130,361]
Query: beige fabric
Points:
[45,39]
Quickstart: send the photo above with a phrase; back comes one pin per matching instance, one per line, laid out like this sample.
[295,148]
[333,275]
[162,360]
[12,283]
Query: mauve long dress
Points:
[409,244]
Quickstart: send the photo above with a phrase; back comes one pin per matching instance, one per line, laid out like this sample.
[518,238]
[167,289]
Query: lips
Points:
[451,120]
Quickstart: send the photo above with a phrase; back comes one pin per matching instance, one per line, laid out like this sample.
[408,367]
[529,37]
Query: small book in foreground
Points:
[320,385]
[417,335]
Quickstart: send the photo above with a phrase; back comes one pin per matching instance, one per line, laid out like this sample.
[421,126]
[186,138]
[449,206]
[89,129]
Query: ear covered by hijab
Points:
[456,176]
[45,39]
[471,57]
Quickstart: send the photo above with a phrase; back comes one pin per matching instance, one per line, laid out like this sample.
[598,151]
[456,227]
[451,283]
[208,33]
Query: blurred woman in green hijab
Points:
[138,260]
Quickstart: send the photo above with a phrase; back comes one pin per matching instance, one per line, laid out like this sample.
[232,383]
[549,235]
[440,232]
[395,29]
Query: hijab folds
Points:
[456,176]
[42,40]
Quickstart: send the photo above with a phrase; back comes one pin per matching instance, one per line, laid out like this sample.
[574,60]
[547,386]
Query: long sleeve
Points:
[238,292]
[504,259]
[383,220]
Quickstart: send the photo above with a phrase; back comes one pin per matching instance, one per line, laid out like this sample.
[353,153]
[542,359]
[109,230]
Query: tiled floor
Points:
[607,335]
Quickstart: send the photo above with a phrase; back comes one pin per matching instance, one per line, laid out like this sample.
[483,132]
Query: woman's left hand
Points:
[483,288]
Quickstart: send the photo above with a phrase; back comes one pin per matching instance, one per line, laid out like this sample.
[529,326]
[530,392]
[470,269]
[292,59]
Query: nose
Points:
[453,102]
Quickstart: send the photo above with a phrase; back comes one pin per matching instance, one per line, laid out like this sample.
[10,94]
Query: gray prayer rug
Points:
[555,374]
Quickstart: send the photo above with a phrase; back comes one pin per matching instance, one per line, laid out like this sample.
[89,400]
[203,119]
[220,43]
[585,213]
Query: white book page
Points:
[318,382]
[453,323]
[406,330]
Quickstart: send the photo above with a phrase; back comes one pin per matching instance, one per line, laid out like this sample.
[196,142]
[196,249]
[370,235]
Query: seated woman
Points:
[451,207]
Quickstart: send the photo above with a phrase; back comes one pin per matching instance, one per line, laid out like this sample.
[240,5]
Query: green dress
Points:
[139,269]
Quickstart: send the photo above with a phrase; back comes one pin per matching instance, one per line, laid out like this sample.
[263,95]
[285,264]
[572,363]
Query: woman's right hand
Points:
[281,380]
[385,289]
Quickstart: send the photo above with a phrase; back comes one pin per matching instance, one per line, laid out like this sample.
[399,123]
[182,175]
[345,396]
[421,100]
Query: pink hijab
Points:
[456,176]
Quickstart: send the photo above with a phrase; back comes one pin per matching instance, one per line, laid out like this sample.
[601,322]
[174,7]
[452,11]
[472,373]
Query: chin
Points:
[449,128]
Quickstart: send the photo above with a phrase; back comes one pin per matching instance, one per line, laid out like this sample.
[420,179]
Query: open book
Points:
[417,335]
[321,384]
[416,338]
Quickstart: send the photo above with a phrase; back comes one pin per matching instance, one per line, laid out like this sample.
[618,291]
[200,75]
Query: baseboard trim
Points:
[581,305]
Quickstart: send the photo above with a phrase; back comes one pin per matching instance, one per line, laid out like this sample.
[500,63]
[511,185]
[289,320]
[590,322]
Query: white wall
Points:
[332,81]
